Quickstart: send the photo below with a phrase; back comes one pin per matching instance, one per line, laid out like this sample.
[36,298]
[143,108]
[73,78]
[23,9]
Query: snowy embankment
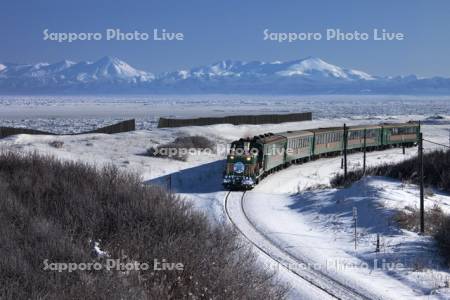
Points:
[315,224]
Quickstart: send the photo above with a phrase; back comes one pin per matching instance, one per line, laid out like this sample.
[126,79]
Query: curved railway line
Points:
[318,279]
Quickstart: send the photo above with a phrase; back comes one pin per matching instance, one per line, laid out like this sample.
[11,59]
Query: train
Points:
[251,159]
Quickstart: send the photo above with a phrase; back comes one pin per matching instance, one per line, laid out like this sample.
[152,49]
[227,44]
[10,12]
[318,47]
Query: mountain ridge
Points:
[301,76]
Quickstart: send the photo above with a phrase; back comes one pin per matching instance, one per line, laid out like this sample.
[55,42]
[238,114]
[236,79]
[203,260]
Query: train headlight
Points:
[231,157]
[239,167]
[249,158]
[248,181]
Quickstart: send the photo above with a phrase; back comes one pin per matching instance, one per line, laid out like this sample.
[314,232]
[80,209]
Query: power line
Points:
[436,143]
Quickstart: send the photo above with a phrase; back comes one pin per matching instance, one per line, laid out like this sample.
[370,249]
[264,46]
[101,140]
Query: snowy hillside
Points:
[314,225]
[304,76]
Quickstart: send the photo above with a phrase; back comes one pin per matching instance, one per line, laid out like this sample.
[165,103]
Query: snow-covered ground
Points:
[314,224]
[77,113]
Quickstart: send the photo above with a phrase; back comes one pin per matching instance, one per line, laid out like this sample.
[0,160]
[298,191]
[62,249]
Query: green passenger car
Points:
[273,151]
[401,133]
[328,140]
[299,145]
[355,136]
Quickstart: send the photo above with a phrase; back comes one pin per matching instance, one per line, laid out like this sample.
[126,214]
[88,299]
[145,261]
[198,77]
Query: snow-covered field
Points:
[65,114]
[312,224]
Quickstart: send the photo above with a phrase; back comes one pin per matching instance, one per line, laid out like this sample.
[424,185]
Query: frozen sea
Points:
[77,113]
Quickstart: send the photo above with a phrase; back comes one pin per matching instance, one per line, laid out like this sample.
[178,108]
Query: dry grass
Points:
[437,225]
[409,219]
[52,210]
[442,236]
[436,171]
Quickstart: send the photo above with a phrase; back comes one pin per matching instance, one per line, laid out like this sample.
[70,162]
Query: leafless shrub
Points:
[56,144]
[409,219]
[436,171]
[442,236]
[180,148]
[51,210]
[437,224]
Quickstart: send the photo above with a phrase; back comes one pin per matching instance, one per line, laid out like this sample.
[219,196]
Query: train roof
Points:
[409,124]
[356,127]
[270,138]
[296,133]
[326,129]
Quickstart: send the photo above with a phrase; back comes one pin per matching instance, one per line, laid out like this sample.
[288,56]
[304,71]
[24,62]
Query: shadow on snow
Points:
[206,178]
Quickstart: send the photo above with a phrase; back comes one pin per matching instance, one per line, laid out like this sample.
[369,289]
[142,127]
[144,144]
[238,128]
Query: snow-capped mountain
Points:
[105,73]
[111,75]
[311,67]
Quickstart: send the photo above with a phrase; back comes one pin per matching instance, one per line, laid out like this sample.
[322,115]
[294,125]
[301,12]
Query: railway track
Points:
[234,208]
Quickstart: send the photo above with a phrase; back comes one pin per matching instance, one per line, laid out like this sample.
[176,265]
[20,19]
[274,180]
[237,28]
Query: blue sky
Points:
[233,29]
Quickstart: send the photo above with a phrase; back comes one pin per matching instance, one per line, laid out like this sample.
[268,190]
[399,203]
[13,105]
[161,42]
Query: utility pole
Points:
[355,219]
[364,160]
[345,152]
[422,221]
